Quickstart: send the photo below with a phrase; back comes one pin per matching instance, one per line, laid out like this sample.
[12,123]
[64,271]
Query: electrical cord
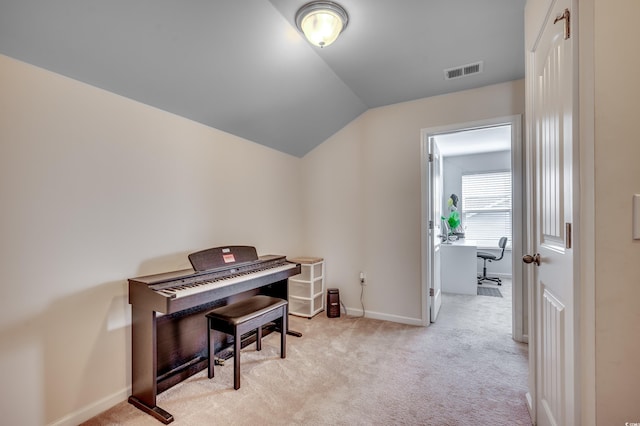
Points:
[344,308]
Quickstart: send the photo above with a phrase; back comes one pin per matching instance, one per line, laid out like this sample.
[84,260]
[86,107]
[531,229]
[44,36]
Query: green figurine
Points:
[453,221]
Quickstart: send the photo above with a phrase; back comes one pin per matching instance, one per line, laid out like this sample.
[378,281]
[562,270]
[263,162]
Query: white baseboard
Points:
[385,317]
[92,410]
[530,407]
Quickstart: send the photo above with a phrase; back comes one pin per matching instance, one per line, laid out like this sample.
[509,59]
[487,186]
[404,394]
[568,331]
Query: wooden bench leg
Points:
[210,349]
[283,333]
[236,359]
[242,317]
[259,339]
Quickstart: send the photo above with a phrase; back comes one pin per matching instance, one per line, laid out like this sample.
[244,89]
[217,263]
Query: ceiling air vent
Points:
[463,71]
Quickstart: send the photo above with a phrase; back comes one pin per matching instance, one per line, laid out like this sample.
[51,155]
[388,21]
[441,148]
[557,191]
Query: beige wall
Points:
[96,188]
[617,178]
[363,197]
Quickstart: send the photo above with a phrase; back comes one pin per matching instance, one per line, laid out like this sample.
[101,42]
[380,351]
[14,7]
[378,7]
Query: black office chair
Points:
[489,257]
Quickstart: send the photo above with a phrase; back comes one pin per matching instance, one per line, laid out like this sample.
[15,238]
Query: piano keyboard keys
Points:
[184,290]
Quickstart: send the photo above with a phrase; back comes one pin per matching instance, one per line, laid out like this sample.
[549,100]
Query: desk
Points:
[459,267]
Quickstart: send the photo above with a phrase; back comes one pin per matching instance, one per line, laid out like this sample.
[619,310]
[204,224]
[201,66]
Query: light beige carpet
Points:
[463,370]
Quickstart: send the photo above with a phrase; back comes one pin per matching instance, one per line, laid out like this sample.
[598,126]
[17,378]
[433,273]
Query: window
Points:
[486,207]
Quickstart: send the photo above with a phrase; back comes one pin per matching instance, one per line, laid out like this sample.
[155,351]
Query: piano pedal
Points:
[218,361]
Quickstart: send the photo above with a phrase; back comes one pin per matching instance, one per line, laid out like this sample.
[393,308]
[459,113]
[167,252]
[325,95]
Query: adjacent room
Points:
[477,201]
[473,185]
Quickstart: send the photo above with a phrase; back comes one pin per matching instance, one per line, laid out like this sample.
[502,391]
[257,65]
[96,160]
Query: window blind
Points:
[486,207]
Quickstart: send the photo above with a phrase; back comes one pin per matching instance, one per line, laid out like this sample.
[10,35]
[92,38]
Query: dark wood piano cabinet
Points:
[169,329]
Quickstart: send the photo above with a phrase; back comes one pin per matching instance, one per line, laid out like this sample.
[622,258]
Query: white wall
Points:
[617,178]
[363,204]
[95,189]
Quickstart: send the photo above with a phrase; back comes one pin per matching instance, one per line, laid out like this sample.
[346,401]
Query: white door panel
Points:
[435,208]
[552,121]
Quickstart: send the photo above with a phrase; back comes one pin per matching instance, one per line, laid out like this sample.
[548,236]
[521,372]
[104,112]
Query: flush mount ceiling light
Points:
[321,22]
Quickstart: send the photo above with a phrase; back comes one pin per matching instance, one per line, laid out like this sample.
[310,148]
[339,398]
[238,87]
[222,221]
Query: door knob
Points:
[527,258]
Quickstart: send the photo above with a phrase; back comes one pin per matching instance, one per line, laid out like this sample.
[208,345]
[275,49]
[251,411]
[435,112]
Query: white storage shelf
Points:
[306,290]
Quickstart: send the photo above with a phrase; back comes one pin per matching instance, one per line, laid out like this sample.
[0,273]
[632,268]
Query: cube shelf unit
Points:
[306,290]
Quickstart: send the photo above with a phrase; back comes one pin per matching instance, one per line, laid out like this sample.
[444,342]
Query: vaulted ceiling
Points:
[242,67]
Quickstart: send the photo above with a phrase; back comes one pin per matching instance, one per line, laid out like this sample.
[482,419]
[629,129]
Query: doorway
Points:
[448,139]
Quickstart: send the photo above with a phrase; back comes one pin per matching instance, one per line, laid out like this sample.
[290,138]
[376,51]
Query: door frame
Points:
[434,189]
[520,314]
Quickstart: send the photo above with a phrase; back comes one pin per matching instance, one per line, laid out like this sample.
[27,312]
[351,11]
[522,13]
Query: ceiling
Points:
[476,141]
[242,66]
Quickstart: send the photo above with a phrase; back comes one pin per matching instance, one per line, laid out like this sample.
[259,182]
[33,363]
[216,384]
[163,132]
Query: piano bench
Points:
[242,317]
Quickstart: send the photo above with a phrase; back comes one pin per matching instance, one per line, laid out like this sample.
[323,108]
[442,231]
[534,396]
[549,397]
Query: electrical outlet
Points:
[362,279]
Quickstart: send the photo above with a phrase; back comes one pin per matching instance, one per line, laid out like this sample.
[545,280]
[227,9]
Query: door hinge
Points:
[430,224]
[566,17]
[430,156]
[432,292]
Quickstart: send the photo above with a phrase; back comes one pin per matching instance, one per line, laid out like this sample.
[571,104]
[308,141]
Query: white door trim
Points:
[585,235]
[520,312]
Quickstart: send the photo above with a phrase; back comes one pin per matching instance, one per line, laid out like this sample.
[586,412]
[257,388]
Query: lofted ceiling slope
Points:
[242,67]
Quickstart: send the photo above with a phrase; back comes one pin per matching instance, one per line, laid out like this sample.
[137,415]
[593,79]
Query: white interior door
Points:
[435,211]
[551,79]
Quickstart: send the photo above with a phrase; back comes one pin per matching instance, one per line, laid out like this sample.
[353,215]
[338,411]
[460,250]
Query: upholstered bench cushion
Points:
[244,316]
[246,310]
